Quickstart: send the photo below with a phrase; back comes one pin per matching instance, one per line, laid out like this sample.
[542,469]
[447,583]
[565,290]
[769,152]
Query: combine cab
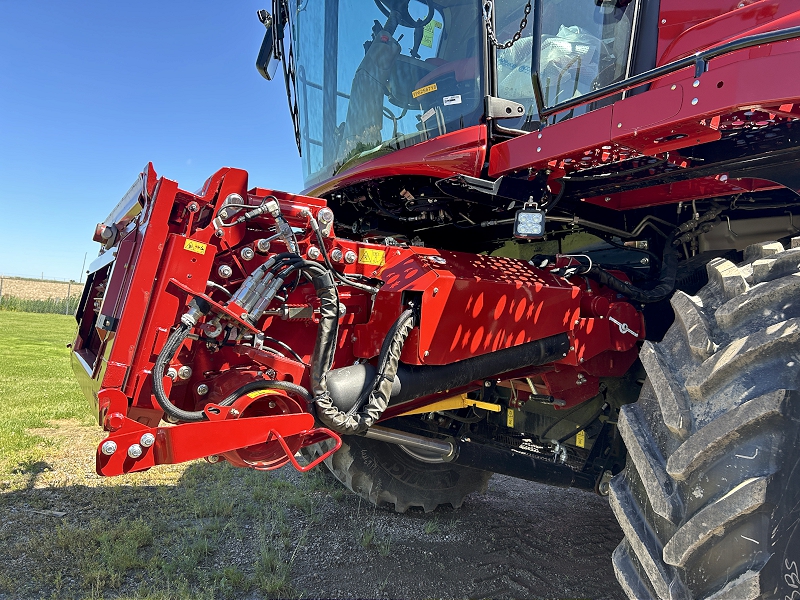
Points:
[553,240]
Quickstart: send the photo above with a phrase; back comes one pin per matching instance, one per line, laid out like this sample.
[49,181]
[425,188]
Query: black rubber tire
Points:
[710,498]
[388,477]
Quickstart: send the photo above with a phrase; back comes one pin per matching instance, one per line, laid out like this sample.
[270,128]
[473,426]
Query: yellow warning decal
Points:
[580,439]
[424,90]
[510,417]
[259,393]
[376,258]
[196,247]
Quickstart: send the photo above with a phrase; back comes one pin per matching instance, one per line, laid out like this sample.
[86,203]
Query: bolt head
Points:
[234,412]
[427,353]
[435,291]
[202,389]
[225,271]
[135,451]
[325,216]
[314,253]
[336,255]
[109,447]
[695,101]
[247,253]
[172,373]
[213,459]
[262,245]
[349,257]
[193,207]
[147,440]
[114,421]
[487,384]
[185,372]
[219,233]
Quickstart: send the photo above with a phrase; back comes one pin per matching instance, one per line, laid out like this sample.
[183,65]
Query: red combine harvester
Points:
[537,240]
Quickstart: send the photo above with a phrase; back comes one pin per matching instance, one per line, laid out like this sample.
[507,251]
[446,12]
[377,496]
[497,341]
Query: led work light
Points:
[529,222]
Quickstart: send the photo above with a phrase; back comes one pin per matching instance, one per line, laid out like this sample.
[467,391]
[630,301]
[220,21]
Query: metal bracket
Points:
[500,108]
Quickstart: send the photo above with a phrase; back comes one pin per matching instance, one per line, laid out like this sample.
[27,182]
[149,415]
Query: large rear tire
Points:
[710,498]
[389,477]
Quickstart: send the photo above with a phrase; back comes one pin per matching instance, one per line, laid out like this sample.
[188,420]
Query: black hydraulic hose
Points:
[167,353]
[267,384]
[383,360]
[327,332]
[666,280]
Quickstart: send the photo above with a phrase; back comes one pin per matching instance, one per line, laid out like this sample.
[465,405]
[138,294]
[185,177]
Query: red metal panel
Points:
[573,136]
[740,19]
[460,152]
[693,189]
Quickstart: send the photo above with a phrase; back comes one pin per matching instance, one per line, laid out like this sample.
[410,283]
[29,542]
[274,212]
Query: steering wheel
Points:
[400,15]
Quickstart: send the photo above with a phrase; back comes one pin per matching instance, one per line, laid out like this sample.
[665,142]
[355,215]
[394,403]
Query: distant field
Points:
[37,289]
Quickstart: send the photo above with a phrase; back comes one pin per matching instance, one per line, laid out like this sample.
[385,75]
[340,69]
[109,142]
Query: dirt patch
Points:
[202,530]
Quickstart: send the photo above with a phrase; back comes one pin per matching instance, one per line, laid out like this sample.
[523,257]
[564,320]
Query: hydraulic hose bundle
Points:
[254,295]
[377,396]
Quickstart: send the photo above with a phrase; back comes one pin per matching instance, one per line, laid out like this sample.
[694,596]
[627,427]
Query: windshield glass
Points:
[377,76]
[584,47]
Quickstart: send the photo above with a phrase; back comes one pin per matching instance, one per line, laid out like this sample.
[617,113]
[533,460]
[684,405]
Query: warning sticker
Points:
[580,439]
[376,258]
[510,417]
[427,32]
[449,100]
[424,90]
[196,247]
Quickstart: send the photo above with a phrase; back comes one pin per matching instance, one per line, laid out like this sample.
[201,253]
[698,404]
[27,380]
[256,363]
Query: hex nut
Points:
[313,253]
[225,271]
[262,245]
[247,253]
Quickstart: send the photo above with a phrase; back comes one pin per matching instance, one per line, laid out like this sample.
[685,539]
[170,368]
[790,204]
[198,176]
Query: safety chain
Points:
[488,7]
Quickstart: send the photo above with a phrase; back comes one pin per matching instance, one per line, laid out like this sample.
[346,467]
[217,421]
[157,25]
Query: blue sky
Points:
[92,91]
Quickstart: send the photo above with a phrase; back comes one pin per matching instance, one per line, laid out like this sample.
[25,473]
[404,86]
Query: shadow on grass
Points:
[219,533]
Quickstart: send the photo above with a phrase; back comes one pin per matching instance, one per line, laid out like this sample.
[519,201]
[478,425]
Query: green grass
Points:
[185,531]
[36,384]
[58,306]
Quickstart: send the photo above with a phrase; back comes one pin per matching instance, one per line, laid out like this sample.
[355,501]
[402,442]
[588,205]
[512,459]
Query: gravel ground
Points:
[519,540]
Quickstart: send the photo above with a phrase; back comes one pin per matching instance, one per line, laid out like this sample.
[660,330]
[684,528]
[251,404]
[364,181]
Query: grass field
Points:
[185,531]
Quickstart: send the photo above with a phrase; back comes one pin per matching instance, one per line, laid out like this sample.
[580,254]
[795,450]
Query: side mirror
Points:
[266,63]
